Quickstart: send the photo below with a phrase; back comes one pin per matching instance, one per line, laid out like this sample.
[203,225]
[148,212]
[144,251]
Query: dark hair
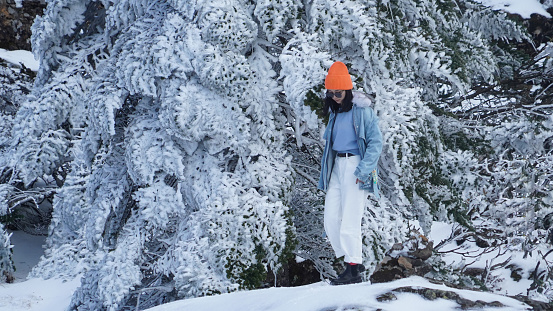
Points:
[345,106]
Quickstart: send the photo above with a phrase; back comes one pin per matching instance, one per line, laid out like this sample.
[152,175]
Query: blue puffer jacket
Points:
[369,139]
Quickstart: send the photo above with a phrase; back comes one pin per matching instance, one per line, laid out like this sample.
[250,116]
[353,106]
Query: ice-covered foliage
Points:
[15,83]
[6,262]
[510,199]
[413,57]
[18,205]
[166,116]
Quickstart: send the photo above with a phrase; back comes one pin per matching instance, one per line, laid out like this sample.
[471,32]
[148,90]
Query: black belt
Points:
[343,155]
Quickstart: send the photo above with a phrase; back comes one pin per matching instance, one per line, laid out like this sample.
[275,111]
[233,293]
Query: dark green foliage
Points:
[254,275]
[313,100]
[10,219]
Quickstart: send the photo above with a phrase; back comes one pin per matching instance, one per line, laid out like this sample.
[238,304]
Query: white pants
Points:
[344,206]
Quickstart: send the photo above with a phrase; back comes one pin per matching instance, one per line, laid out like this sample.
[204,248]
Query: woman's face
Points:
[337,95]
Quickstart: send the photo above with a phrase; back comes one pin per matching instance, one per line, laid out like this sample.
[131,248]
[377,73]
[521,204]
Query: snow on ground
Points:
[33,294]
[55,294]
[37,295]
[20,56]
[524,8]
[27,250]
[321,296]
[472,256]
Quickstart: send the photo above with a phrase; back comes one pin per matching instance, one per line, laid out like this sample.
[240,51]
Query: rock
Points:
[385,260]
[397,247]
[536,305]
[432,294]
[386,297]
[420,271]
[7,277]
[474,272]
[405,259]
[416,262]
[15,23]
[404,262]
[387,272]
[424,253]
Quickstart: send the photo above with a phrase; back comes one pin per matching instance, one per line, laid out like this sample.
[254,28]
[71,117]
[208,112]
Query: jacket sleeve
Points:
[373,143]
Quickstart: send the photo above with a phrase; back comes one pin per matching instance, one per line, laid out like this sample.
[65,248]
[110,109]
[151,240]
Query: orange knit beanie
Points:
[338,77]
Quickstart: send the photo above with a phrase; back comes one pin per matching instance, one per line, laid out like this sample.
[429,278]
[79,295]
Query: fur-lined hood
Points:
[362,100]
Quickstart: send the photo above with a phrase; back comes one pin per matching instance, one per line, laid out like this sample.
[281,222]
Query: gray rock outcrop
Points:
[405,259]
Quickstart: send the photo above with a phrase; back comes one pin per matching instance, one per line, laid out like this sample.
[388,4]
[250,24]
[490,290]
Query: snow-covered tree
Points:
[165,116]
[417,59]
[514,192]
[6,262]
[174,129]
[24,213]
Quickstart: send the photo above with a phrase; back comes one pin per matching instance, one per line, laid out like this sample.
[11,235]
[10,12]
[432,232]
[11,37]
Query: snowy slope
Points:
[37,295]
[19,56]
[320,296]
[54,295]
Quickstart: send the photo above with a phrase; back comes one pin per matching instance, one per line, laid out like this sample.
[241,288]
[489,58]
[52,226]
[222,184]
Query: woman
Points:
[348,168]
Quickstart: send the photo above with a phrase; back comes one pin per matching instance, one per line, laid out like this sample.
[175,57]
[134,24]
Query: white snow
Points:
[33,294]
[20,57]
[440,231]
[37,295]
[55,294]
[321,296]
[27,250]
[524,8]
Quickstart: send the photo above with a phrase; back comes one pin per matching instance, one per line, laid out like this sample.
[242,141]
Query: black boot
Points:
[350,276]
[360,267]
